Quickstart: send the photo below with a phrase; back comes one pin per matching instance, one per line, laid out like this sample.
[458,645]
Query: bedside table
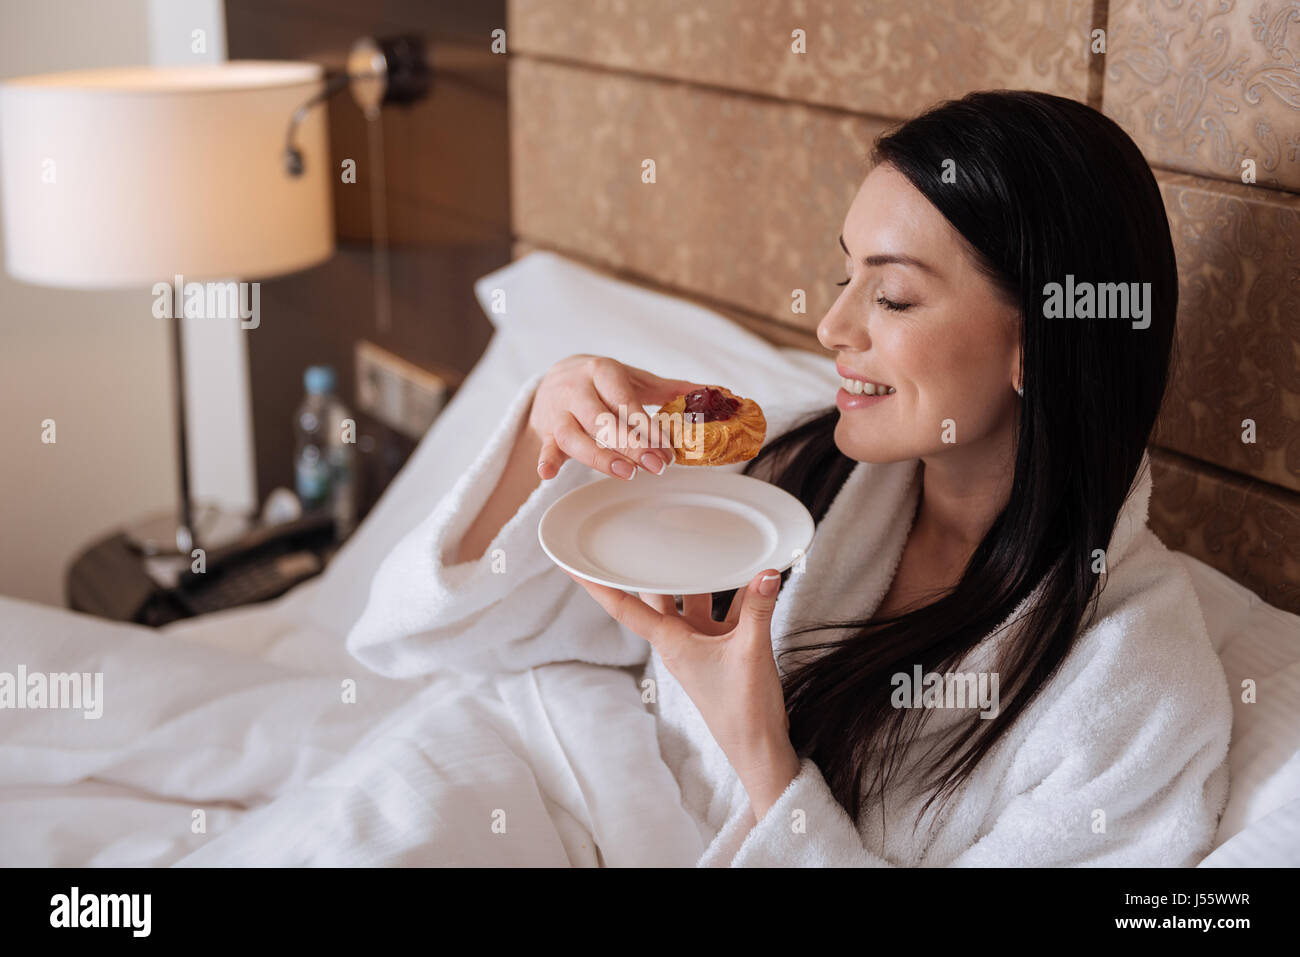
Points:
[113,580]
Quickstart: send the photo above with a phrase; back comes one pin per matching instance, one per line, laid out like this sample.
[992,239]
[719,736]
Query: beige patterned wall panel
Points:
[1204,85]
[749,198]
[1239,327]
[884,57]
[1247,529]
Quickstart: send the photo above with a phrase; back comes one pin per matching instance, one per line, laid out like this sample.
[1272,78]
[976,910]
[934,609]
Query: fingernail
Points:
[653,463]
[768,585]
[623,469]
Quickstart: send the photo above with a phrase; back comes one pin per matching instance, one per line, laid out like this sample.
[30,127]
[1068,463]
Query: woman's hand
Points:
[565,421]
[571,409]
[727,669]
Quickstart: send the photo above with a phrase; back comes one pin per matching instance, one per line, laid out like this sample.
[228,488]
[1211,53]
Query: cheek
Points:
[954,364]
[942,370]
[947,379]
[928,367]
[952,373]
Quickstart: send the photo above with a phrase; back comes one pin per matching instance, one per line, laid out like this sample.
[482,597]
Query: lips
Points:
[859,387]
[855,384]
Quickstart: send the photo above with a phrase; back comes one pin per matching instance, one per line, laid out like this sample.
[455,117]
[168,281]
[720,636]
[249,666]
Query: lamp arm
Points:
[386,70]
[334,82]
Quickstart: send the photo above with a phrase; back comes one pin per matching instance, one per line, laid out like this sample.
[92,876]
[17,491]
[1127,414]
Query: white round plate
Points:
[686,532]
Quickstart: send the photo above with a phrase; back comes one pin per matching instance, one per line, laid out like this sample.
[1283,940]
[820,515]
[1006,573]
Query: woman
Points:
[983,515]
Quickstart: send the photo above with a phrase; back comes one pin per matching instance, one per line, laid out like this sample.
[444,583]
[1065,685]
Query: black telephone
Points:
[262,565]
[110,579]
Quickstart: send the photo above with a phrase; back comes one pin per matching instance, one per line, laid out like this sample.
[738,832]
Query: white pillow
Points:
[554,308]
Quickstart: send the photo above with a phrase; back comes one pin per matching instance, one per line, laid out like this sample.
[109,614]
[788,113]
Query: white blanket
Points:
[461,769]
[230,740]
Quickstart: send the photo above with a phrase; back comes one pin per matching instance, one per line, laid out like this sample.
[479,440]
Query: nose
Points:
[841,331]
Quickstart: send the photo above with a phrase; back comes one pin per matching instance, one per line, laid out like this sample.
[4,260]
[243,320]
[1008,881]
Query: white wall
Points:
[98,363]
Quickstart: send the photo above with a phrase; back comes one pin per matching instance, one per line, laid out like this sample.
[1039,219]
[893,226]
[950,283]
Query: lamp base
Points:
[165,534]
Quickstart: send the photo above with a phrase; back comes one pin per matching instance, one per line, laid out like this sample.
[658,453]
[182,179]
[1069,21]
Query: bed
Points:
[251,737]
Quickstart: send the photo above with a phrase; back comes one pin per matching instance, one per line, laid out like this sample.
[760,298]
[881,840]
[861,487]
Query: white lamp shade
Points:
[127,177]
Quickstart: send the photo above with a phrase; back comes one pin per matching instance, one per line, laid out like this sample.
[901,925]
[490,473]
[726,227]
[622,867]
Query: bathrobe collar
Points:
[859,543]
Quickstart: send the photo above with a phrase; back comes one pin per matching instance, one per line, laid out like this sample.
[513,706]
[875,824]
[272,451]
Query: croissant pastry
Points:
[713,426]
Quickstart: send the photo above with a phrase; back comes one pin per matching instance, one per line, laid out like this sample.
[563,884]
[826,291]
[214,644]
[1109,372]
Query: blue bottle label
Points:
[313,482]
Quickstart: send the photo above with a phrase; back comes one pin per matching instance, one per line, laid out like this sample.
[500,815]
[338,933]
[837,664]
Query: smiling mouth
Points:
[859,387]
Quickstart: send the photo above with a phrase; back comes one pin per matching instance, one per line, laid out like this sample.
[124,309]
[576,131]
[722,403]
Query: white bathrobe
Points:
[1121,761]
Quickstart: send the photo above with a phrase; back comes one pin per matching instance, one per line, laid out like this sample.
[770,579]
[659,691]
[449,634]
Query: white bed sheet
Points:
[240,714]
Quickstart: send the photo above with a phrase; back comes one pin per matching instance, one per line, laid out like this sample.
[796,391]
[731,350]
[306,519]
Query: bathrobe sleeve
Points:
[1114,771]
[512,609]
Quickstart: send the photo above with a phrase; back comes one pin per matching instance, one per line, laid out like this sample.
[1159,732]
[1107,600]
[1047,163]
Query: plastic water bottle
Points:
[325,434]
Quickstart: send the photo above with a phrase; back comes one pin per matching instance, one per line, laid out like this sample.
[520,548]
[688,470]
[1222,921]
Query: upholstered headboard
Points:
[758,151]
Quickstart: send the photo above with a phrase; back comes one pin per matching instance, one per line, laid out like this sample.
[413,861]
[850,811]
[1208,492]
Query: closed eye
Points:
[887,303]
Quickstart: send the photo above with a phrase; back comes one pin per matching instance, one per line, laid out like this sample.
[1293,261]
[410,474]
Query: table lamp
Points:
[133,177]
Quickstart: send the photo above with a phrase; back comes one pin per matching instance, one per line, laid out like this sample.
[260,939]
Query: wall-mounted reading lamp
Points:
[379,71]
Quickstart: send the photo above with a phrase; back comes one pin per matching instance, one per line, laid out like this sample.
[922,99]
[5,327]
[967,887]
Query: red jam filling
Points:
[711,405]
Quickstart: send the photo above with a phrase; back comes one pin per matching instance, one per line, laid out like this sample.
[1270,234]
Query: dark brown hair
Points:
[1045,187]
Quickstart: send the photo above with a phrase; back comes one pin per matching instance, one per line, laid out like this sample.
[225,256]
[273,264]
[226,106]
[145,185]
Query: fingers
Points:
[594,412]
[617,391]
[751,604]
[733,613]
[572,439]
[549,462]
[585,397]
[758,605]
[657,390]
[698,607]
[663,604]
[664,632]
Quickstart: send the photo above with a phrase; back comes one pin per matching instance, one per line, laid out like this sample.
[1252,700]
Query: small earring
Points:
[1020,391]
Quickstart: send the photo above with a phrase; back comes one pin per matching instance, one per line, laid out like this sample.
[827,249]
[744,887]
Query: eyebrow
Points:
[886,259]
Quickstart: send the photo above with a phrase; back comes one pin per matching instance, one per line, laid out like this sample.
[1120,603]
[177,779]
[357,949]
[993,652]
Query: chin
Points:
[871,449]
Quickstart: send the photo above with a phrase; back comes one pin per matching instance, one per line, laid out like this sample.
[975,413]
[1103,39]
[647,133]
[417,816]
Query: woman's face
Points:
[917,316]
